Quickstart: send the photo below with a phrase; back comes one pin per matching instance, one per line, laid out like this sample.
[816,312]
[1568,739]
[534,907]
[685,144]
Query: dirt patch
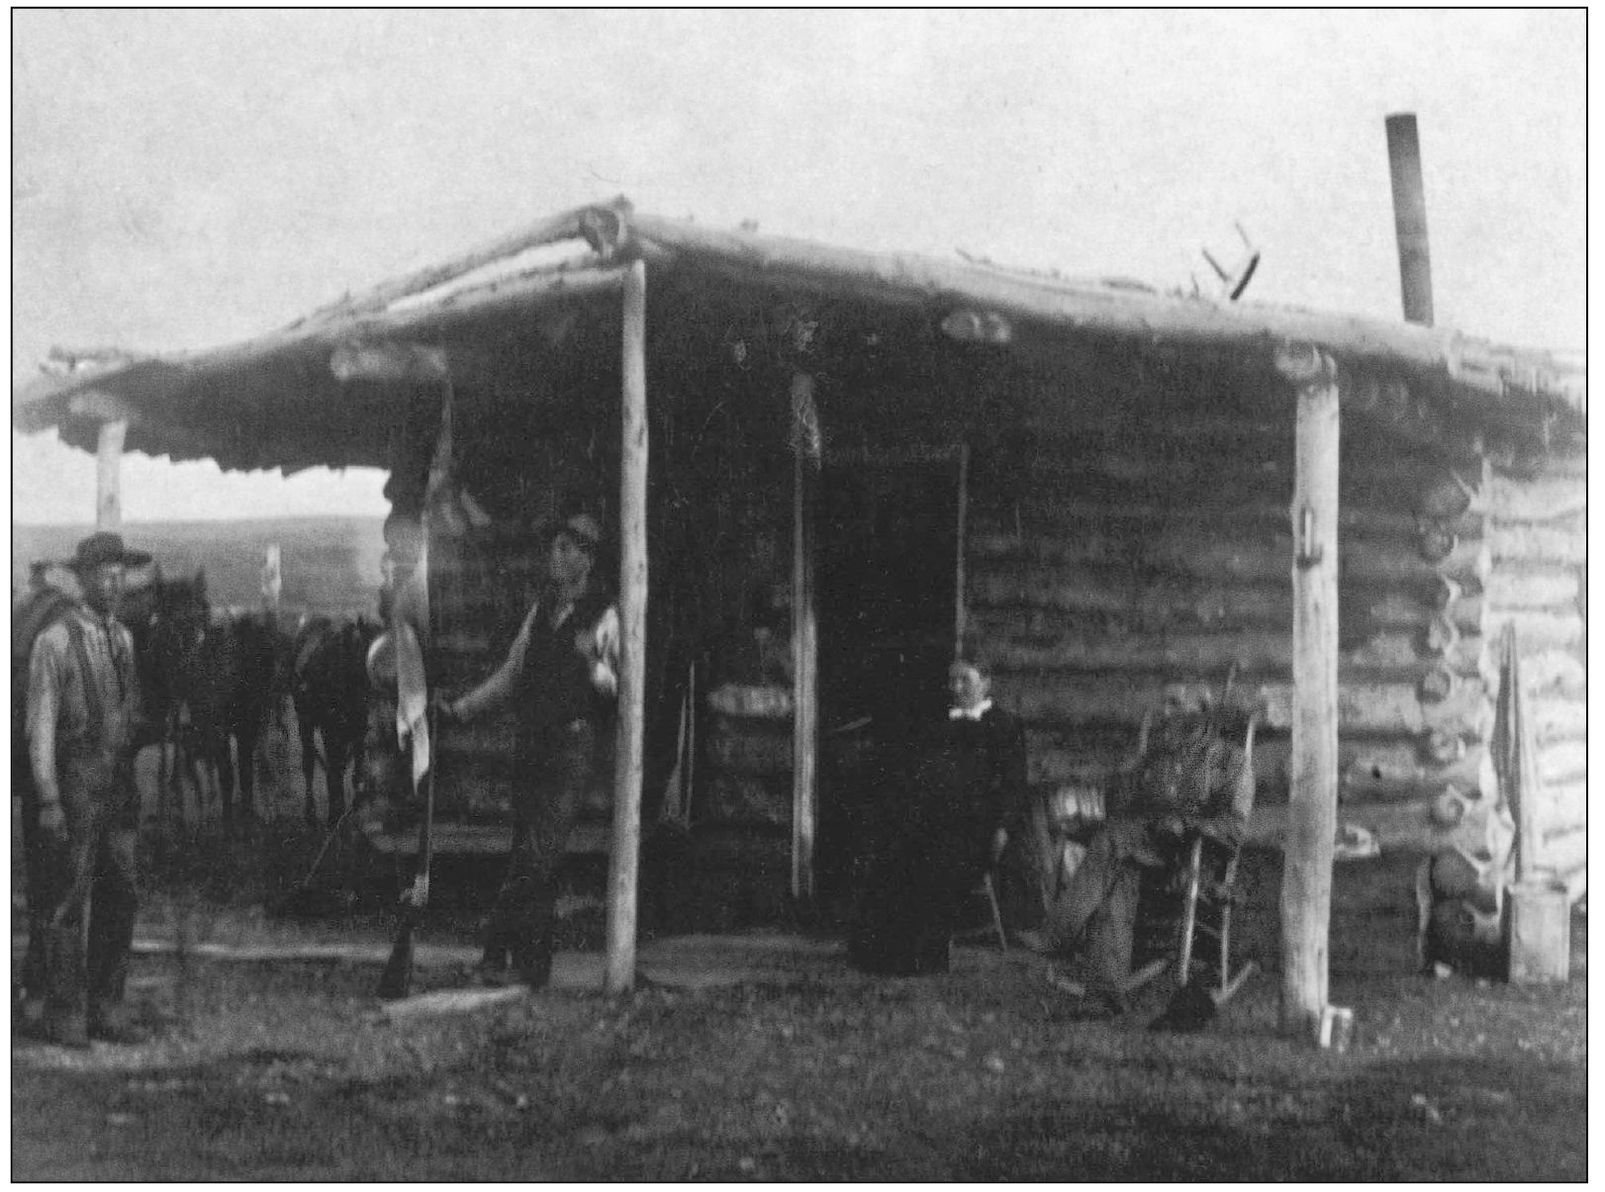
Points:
[278,1071]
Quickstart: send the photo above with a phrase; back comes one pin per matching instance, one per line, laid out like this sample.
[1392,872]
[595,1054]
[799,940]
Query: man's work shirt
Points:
[83,698]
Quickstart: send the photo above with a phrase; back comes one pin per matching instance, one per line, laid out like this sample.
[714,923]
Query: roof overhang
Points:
[309,394]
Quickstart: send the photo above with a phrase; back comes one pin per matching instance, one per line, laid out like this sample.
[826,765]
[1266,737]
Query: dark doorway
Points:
[887,593]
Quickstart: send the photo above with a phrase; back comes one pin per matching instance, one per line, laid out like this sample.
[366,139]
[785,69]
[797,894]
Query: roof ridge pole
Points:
[1306,903]
[625,864]
[586,222]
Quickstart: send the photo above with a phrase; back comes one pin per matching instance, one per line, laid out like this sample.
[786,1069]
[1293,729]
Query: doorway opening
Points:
[890,612]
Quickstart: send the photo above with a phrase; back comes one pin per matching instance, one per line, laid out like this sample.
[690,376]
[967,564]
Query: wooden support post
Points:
[804,635]
[108,475]
[1312,811]
[621,910]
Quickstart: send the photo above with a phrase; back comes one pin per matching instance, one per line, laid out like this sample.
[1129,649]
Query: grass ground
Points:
[289,1072]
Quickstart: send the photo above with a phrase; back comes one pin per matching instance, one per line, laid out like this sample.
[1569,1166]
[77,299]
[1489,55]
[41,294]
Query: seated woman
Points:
[1189,777]
[959,789]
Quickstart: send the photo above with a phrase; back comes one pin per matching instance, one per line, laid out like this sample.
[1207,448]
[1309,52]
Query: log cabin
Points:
[862,463]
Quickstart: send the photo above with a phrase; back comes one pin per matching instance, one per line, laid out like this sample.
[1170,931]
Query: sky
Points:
[183,179]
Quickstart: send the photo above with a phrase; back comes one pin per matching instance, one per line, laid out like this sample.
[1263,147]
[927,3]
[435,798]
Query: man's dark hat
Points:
[105,547]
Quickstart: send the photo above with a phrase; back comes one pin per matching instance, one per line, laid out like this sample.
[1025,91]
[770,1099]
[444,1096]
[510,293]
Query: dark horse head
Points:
[167,619]
[330,689]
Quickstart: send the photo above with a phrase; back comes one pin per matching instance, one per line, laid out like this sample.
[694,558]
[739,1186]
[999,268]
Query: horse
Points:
[227,680]
[167,619]
[330,691]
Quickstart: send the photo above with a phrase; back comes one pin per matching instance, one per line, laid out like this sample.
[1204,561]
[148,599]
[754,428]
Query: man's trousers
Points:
[523,920]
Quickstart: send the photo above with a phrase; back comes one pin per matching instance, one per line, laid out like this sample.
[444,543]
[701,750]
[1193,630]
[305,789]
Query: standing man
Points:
[83,702]
[561,676]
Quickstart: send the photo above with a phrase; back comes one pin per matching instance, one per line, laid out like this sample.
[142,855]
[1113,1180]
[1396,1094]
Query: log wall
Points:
[1135,562]
[1537,532]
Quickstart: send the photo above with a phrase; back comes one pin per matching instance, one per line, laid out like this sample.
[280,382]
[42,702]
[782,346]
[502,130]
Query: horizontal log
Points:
[1533,586]
[1558,463]
[1037,601]
[755,701]
[1527,543]
[1565,852]
[1151,603]
[1066,422]
[1558,719]
[1399,655]
[1575,881]
[104,407]
[1538,629]
[486,787]
[389,362]
[1562,761]
[737,799]
[1260,557]
[492,733]
[1045,518]
[1554,672]
[1541,500]
[1080,470]
[752,754]
[1377,709]
[1563,805]
[1369,771]
[1397,827]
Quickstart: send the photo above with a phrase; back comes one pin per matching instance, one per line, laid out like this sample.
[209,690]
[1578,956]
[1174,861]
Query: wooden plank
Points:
[633,593]
[1306,903]
[451,1001]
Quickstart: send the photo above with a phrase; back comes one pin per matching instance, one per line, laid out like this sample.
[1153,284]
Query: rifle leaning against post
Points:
[396,980]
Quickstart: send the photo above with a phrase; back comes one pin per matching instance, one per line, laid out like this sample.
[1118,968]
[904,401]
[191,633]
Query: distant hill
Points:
[330,564]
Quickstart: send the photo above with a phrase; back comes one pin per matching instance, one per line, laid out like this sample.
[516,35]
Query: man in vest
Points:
[561,675]
[83,703]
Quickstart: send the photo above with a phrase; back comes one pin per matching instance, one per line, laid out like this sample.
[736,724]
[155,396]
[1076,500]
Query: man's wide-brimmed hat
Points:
[102,548]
